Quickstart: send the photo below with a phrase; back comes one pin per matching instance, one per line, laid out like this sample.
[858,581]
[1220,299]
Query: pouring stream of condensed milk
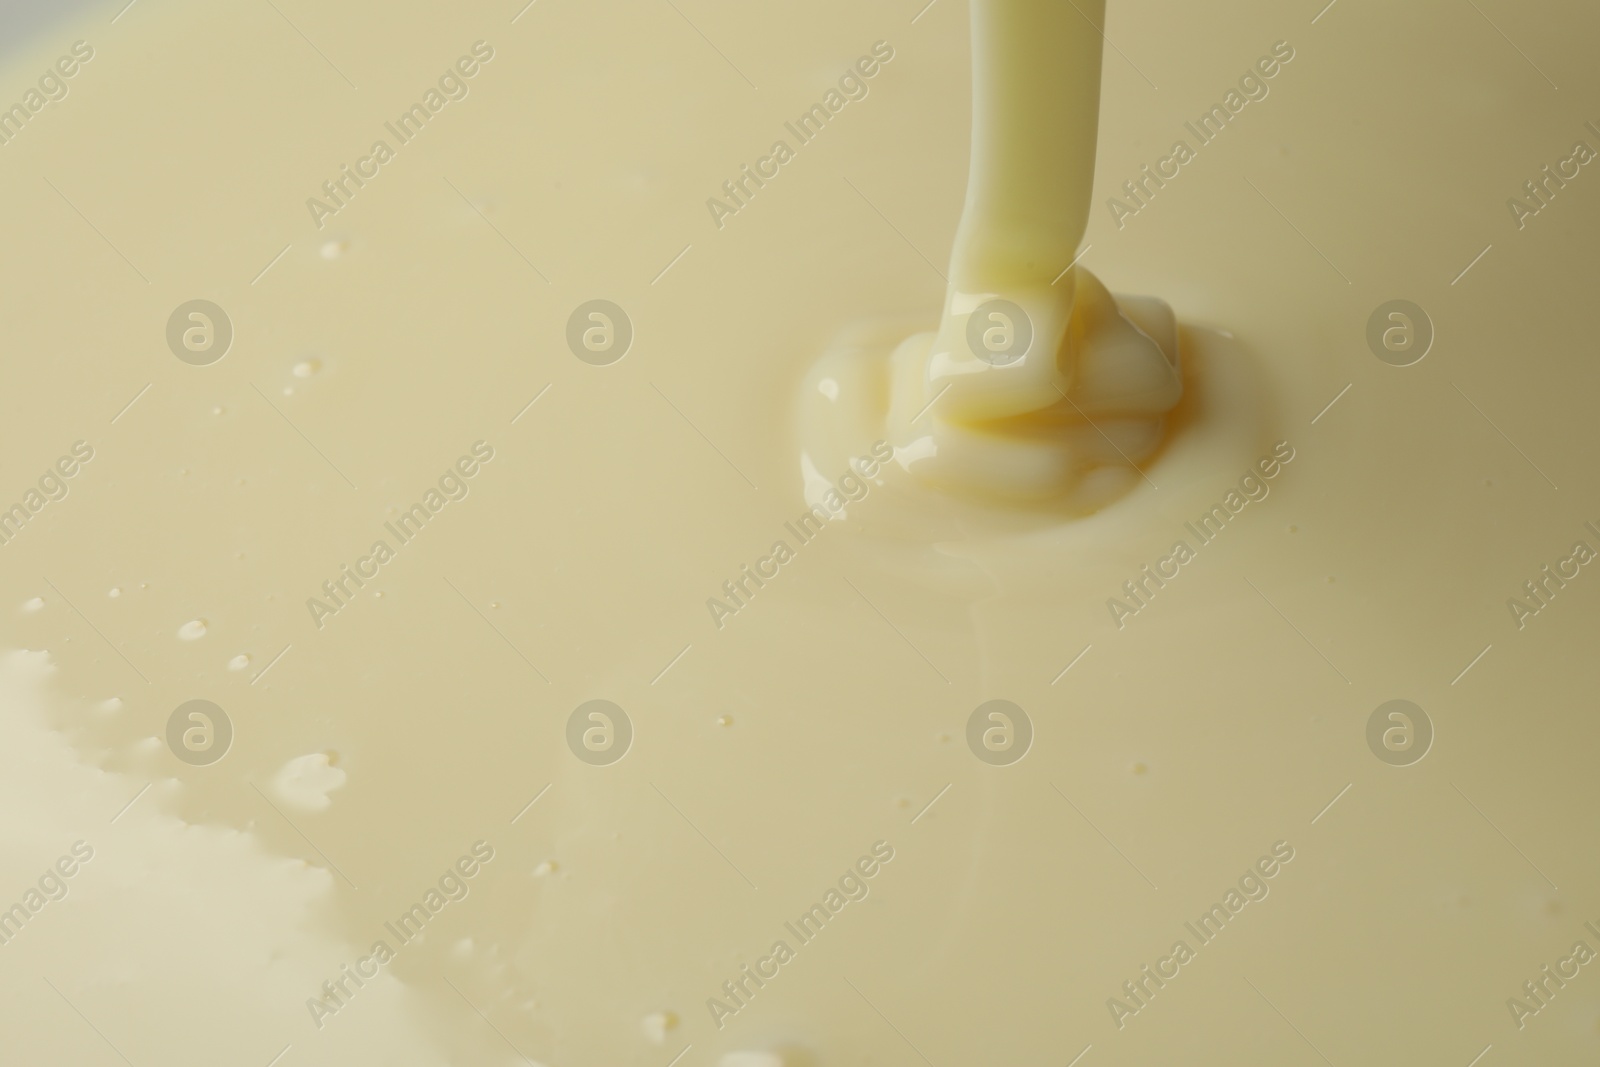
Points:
[1037,381]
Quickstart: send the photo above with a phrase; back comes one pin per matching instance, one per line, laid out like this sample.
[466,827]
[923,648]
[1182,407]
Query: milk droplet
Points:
[333,249]
[724,720]
[110,706]
[239,662]
[828,388]
[307,367]
[115,591]
[656,1024]
[217,410]
[33,603]
[193,630]
[545,868]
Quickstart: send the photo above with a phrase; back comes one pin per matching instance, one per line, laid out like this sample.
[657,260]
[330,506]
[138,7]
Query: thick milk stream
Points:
[1035,378]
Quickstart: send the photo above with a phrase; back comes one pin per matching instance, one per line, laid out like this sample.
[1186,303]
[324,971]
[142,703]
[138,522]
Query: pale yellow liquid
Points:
[1094,385]
[1189,741]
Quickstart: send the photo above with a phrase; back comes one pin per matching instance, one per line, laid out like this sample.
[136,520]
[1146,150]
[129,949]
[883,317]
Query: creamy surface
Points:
[1210,730]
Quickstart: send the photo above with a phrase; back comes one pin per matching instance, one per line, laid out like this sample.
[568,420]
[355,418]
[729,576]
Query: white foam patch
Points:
[185,943]
[305,782]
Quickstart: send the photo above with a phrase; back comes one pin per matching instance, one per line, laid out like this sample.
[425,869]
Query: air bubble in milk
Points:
[33,603]
[239,662]
[334,248]
[193,630]
[307,367]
